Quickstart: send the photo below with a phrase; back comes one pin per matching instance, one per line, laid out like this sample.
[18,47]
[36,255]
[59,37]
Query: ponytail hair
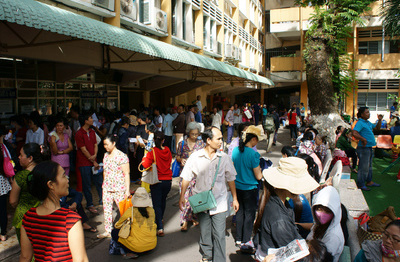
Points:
[158,139]
[267,193]
[242,143]
[38,178]
[33,150]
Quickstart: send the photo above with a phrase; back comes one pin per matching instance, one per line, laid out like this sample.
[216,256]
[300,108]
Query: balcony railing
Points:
[282,64]
[391,61]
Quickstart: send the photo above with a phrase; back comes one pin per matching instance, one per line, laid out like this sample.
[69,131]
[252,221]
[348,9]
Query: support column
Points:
[146,98]
[304,94]
[166,6]
[116,20]
[198,26]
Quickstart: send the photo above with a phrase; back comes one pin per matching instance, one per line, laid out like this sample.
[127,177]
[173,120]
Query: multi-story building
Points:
[376,58]
[112,53]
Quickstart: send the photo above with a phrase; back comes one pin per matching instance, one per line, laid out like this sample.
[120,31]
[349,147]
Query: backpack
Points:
[269,124]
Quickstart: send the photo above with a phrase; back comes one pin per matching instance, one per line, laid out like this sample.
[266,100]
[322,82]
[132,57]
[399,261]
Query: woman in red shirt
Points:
[50,232]
[160,191]
[293,123]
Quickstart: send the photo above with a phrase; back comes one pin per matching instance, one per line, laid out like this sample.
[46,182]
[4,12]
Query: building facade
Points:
[376,57]
[122,53]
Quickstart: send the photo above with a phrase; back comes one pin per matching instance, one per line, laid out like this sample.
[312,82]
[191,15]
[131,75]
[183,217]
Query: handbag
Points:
[205,200]
[176,166]
[125,230]
[7,163]
[150,175]
[125,204]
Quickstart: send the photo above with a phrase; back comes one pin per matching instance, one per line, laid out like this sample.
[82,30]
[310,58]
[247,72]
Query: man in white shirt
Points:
[236,116]
[229,117]
[216,118]
[204,165]
[168,129]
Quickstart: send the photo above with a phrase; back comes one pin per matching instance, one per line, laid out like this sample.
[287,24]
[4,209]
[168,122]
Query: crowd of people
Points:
[272,205]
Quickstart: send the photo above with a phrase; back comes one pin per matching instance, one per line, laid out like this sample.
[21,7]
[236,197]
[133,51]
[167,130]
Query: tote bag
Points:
[150,175]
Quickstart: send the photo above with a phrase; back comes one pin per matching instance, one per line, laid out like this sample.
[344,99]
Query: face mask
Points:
[323,217]
[389,253]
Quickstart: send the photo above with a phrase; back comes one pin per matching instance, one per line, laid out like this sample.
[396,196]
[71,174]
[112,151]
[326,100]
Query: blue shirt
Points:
[383,123]
[306,213]
[244,164]
[265,112]
[364,128]
[168,126]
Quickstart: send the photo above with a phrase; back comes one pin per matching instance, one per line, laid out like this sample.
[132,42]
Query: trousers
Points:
[365,154]
[108,200]
[246,214]
[212,236]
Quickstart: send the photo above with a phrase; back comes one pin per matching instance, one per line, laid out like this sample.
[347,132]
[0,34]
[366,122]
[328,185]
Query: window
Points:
[205,30]
[184,20]
[375,101]
[378,84]
[375,47]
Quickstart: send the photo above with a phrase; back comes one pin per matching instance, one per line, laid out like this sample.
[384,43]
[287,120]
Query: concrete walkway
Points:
[174,241]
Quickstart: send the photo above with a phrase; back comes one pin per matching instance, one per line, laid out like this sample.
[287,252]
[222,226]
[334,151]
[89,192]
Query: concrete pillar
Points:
[198,25]
[166,7]
[146,98]
[304,94]
[116,20]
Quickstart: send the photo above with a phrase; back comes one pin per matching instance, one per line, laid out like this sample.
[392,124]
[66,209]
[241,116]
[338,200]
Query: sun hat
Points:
[255,130]
[141,198]
[133,120]
[292,175]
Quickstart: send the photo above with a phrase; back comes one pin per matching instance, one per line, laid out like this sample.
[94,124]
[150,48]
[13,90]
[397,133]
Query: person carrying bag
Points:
[205,200]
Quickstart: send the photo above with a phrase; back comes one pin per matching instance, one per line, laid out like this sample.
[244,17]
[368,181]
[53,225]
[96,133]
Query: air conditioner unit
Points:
[234,52]
[129,9]
[240,54]
[147,11]
[228,51]
[160,20]
[107,4]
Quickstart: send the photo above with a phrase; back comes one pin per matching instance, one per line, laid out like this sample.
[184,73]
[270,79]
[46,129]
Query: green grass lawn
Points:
[379,198]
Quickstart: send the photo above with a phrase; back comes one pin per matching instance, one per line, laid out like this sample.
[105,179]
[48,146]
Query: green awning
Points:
[49,18]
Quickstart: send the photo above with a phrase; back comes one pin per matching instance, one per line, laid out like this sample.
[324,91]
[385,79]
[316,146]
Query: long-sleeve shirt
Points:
[229,117]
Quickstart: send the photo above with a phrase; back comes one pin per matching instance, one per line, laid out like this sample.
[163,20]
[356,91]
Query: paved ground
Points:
[176,245]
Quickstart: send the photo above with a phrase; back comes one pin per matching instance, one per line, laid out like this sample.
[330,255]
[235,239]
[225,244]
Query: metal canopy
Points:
[37,15]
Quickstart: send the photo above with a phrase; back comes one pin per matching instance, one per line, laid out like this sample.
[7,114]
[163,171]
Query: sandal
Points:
[104,235]
[184,227]
[93,210]
[160,233]
[91,230]
[195,223]
[3,237]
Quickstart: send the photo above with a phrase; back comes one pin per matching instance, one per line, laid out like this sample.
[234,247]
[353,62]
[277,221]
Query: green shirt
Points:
[26,200]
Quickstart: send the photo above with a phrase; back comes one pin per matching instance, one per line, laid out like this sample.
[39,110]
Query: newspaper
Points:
[294,251]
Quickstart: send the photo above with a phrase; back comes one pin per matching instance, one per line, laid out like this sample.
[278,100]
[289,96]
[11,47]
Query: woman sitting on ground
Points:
[143,234]
[275,226]
[49,231]
[327,214]
[387,249]
[343,143]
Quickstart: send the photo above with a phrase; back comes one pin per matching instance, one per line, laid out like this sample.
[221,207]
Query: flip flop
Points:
[104,235]
[131,256]
[91,230]
[374,184]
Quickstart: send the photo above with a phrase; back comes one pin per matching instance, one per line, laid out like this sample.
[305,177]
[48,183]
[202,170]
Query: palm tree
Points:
[325,54]
[391,17]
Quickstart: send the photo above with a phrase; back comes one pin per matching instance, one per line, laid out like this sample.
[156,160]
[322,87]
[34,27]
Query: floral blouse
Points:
[114,178]
[184,152]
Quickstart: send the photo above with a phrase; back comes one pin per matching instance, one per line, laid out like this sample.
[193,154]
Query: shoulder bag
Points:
[7,162]
[176,166]
[205,200]
[125,230]
[150,175]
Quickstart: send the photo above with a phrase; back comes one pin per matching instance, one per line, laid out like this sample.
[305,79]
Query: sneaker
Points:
[364,188]
[238,243]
